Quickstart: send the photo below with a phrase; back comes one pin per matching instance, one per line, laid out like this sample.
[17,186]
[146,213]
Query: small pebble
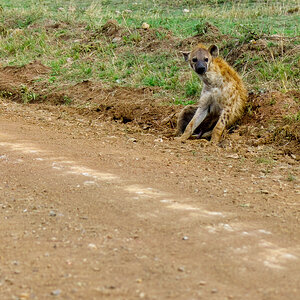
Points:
[55,292]
[133,140]
[214,291]
[264,191]
[185,238]
[145,25]
[92,246]
[52,213]
[116,39]
[180,269]
[24,296]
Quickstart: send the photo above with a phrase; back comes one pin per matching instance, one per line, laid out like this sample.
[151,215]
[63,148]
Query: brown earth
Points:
[99,202]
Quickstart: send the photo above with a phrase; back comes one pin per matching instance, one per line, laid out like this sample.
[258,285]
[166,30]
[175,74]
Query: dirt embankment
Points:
[270,118]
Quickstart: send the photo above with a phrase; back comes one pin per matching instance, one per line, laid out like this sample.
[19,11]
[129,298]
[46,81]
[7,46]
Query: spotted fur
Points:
[222,100]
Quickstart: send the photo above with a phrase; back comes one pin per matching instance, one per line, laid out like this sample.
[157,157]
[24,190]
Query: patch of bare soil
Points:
[28,72]
[208,33]
[271,118]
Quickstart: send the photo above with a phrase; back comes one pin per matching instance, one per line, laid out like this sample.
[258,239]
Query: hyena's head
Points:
[201,58]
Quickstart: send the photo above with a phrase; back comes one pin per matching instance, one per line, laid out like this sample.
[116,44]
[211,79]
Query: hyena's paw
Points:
[204,141]
[215,139]
[180,139]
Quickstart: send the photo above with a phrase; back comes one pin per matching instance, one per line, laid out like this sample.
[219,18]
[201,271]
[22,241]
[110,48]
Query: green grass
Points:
[75,50]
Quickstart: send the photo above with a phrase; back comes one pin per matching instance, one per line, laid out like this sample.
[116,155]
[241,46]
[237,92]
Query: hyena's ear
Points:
[213,50]
[185,55]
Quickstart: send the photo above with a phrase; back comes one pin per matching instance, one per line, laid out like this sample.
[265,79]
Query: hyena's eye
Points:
[206,59]
[194,59]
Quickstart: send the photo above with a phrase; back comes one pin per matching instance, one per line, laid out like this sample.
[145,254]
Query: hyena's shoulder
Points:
[230,76]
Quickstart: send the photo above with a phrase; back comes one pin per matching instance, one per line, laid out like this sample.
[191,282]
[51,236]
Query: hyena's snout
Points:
[200,67]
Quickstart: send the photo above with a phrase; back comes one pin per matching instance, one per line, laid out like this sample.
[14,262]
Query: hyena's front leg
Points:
[198,118]
[220,126]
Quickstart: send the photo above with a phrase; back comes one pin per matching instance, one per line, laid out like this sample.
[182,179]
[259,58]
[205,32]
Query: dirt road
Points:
[90,211]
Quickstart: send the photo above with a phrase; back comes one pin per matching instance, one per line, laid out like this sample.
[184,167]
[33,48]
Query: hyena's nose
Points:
[200,69]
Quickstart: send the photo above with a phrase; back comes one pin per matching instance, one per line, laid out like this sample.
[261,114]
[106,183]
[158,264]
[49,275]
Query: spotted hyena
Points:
[222,100]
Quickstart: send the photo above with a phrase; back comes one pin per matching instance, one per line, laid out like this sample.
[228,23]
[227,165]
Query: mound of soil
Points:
[208,33]
[273,118]
[263,47]
[27,72]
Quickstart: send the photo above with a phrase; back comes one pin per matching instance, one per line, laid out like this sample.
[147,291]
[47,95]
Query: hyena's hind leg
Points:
[220,126]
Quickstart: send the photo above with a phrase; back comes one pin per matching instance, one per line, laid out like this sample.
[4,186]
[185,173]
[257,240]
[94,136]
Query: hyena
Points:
[222,100]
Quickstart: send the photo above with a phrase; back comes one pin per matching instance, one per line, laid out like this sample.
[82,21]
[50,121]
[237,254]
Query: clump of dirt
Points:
[207,33]
[111,29]
[273,118]
[19,82]
[28,72]
[266,48]
[293,10]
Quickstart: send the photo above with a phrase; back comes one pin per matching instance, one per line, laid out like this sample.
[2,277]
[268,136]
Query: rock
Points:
[56,292]
[235,156]
[92,246]
[52,213]
[24,296]
[145,25]
[185,238]
[133,140]
[116,39]
[264,191]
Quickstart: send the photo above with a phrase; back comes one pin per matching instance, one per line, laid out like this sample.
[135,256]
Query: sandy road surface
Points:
[92,213]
